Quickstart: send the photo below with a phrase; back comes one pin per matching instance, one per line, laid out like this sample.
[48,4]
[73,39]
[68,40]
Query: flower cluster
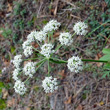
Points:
[80,28]
[50,84]
[41,36]
[65,38]
[51,26]
[15,74]
[31,36]
[20,87]
[28,51]
[75,64]
[29,69]
[26,44]
[46,50]
[17,61]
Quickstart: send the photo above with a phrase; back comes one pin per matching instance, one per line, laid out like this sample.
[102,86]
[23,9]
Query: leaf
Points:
[101,103]
[105,58]
[62,74]
[9,7]
[107,66]
[2,104]
[11,102]
[12,49]
[5,93]
[68,101]
[1,86]
[56,34]
[106,51]
[106,73]
[79,107]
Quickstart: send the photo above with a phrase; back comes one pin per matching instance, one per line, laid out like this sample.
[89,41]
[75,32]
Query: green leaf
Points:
[106,51]
[1,86]
[107,66]
[106,73]
[12,49]
[2,104]
[105,57]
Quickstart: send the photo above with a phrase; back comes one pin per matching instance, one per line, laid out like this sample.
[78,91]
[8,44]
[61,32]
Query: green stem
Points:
[40,64]
[48,67]
[58,47]
[48,38]
[88,60]
[40,61]
[36,49]
[30,59]
[26,79]
[97,28]
[38,43]
[73,34]
[61,61]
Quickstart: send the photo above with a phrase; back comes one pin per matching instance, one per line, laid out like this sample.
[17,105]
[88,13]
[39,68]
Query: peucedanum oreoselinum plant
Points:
[46,49]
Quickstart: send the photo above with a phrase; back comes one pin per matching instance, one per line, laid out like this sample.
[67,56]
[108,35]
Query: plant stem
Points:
[30,59]
[26,79]
[36,49]
[38,43]
[40,61]
[48,67]
[58,47]
[73,34]
[89,60]
[97,28]
[40,64]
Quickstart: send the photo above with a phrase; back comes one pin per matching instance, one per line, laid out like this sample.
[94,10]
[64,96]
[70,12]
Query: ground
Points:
[86,90]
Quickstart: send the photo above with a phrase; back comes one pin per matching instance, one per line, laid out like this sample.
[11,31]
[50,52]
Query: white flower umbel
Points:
[75,64]
[51,26]
[29,69]
[65,38]
[40,36]
[20,87]
[46,50]
[28,51]
[80,28]
[15,74]
[17,60]
[31,36]
[50,84]
[25,44]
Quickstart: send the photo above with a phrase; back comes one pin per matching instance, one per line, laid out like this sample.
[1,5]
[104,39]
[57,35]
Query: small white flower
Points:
[75,64]
[15,74]
[50,84]
[80,28]
[46,50]
[40,36]
[25,44]
[65,38]
[31,36]
[17,60]
[20,87]
[28,51]
[29,69]
[51,26]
